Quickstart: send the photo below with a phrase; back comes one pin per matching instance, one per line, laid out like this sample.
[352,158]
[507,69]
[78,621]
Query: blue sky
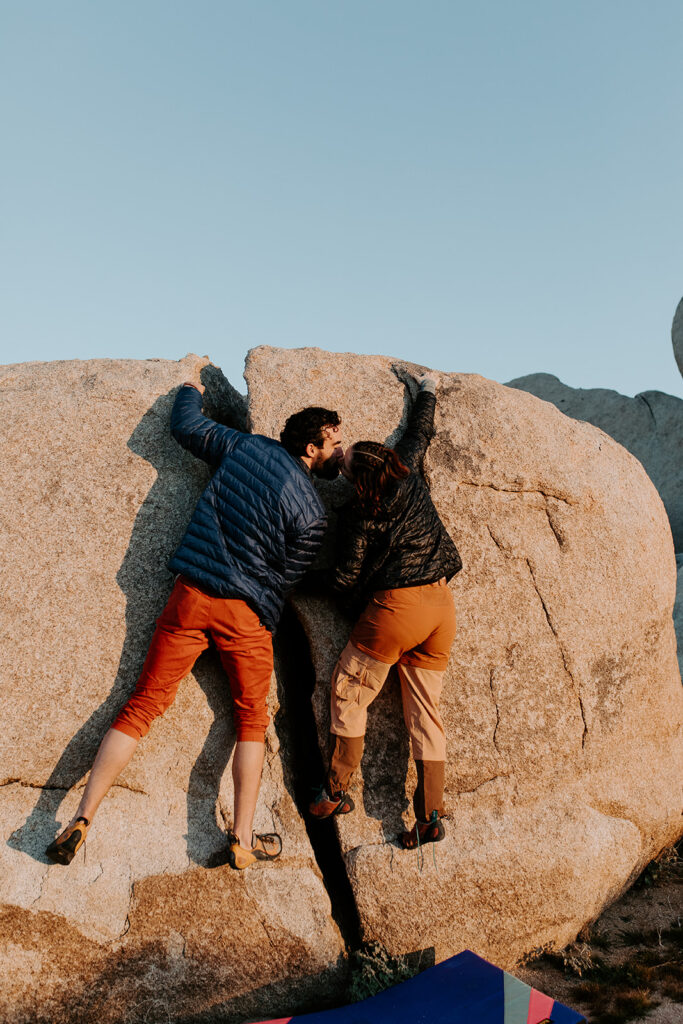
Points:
[492,187]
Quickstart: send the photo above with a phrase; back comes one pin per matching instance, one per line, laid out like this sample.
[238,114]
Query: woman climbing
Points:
[393,546]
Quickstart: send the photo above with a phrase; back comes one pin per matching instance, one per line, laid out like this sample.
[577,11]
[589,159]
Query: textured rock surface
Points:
[677,335]
[95,497]
[678,610]
[650,426]
[562,700]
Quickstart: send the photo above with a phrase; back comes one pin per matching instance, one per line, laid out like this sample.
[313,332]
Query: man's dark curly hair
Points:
[307,427]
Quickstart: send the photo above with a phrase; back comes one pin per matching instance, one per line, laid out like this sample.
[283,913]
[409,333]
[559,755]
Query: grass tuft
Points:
[373,969]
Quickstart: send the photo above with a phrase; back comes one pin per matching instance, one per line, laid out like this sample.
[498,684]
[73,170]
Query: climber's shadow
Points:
[385,761]
[206,840]
[146,583]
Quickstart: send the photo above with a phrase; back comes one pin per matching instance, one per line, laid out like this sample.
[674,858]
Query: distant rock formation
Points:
[650,426]
[677,335]
[678,610]
[95,497]
[562,701]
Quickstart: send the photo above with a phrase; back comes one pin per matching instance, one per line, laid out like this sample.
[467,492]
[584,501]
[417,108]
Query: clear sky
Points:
[490,187]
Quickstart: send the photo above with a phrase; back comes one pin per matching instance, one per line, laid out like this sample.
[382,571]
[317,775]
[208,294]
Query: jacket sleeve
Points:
[201,436]
[413,445]
[302,548]
[352,547]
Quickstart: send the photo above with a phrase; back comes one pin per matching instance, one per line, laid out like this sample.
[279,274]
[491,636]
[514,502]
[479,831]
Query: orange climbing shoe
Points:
[264,846]
[324,805]
[66,846]
[431,831]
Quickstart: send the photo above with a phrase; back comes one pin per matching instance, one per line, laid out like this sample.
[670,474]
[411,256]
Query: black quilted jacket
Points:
[259,523]
[407,544]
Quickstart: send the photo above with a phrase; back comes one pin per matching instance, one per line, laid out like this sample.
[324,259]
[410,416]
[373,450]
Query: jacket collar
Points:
[302,465]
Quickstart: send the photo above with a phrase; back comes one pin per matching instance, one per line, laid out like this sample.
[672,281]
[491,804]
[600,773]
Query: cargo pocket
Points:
[356,681]
[347,685]
[359,677]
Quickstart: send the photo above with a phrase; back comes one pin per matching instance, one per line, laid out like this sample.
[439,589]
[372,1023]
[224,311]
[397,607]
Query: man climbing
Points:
[254,533]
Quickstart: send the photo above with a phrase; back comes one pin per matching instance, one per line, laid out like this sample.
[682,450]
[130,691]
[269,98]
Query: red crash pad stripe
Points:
[540,1007]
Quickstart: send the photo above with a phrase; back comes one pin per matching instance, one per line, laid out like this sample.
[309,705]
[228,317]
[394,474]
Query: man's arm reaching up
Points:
[201,436]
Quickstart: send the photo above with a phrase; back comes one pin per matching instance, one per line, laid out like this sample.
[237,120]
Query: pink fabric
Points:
[540,1007]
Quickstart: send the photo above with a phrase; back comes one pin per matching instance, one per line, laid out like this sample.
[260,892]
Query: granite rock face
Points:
[562,701]
[650,426]
[677,335]
[678,609]
[96,496]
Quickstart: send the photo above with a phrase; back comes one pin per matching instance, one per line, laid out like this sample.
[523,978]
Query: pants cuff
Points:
[249,734]
[428,795]
[346,755]
[130,730]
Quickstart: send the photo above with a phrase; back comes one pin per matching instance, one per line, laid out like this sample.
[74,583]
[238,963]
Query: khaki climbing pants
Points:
[413,628]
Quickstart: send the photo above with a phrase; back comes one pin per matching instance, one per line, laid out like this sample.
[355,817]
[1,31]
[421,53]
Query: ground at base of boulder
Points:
[628,966]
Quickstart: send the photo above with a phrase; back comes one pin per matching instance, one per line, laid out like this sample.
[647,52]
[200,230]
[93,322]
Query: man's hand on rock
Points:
[196,367]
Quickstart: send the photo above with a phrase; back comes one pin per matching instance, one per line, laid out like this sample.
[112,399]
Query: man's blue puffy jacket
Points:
[259,523]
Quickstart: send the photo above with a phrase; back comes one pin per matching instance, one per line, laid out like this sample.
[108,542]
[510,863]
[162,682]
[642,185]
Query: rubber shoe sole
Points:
[68,843]
[240,858]
[325,806]
[429,832]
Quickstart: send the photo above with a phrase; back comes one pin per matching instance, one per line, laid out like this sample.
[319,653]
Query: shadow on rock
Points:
[385,770]
[205,839]
[303,768]
[146,583]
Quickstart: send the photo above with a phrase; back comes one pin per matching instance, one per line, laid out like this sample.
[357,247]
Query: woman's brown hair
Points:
[375,470]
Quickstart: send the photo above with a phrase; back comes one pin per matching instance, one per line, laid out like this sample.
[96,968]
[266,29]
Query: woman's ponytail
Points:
[375,470]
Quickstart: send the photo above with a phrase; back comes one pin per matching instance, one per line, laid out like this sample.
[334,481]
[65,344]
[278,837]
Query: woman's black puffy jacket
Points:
[406,545]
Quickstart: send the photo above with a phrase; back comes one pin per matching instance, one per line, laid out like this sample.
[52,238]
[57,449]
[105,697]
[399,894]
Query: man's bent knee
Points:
[251,723]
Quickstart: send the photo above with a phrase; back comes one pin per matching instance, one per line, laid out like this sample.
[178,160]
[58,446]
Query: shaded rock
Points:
[677,335]
[96,497]
[678,610]
[562,701]
[650,426]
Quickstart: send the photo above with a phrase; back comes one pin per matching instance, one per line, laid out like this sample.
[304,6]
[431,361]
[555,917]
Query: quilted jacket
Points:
[407,544]
[259,523]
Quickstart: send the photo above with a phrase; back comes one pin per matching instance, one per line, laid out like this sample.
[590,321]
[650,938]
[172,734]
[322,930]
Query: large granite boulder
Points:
[562,702]
[95,497]
[650,426]
[678,609]
[677,335]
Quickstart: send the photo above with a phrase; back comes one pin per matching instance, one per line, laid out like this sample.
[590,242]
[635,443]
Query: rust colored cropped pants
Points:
[191,617]
[413,628]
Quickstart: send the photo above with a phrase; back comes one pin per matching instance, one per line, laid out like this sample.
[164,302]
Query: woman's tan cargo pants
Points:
[412,628]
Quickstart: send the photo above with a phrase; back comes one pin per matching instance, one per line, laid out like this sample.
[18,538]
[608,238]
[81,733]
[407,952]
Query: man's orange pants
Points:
[190,619]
